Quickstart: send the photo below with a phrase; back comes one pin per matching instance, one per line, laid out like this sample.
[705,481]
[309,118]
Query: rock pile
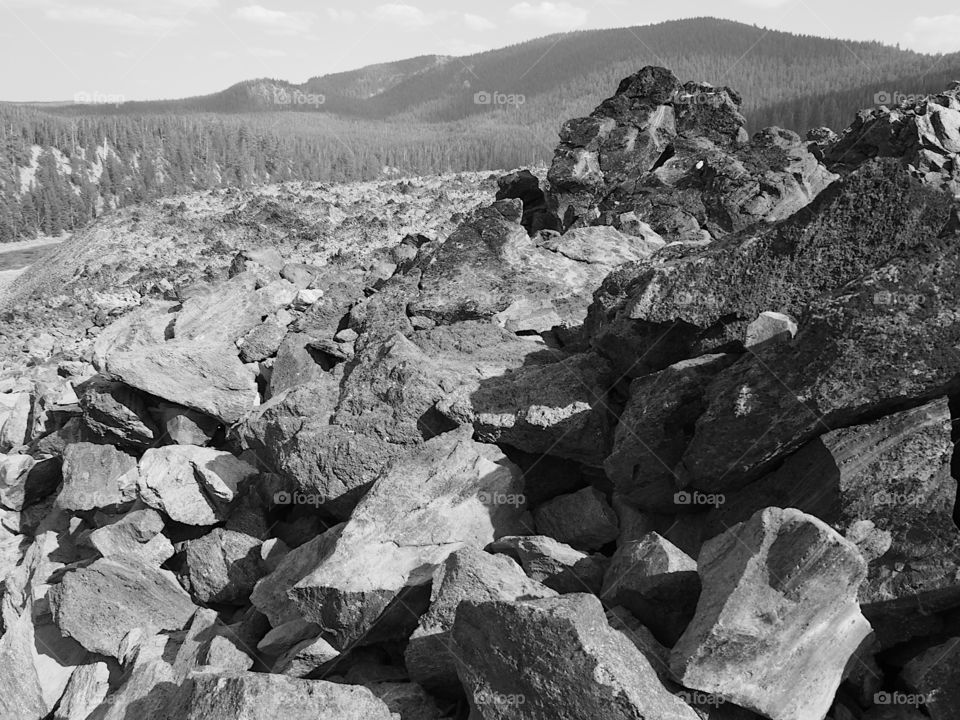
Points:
[668,436]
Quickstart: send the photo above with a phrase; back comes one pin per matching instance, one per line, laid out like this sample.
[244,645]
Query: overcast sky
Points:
[145,49]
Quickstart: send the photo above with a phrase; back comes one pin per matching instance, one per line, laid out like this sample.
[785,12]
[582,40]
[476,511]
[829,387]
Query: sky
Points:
[117,50]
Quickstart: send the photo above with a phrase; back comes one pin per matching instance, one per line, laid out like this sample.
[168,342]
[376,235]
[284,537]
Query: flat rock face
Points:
[97,476]
[468,574]
[451,493]
[555,564]
[99,604]
[892,477]
[583,519]
[258,696]
[224,566]
[777,619]
[574,665]
[205,377]
[191,485]
[892,336]
[134,537]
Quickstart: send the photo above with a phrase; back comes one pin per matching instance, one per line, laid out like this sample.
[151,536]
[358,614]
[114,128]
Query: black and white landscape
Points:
[614,375]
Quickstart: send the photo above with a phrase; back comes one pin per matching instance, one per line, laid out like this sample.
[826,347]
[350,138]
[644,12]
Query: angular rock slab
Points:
[555,564]
[192,485]
[934,677]
[260,696]
[97,476]
[442,497]
[223,566]
[117,412]
[778,618]
[555,659]
[99,604]
[468,574]
[208,378]
[583,519]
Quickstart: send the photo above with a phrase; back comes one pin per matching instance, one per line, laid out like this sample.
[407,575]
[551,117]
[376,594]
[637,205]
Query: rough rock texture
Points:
[223,566]
[467,574]
[97,476]
[892,476]
[443,497]
[133,537]
[99,604]
[208,378]
[192,485]
[184,426]
[117,412]
[934,675]
[583,519]
[574,665]
[87,688]
[657,582]
[778,617]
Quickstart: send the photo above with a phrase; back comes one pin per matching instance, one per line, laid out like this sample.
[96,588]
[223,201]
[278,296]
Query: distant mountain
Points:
[784,78]
[63,165]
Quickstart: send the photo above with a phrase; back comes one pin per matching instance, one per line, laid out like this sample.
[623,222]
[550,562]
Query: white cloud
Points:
[401,14]
[336,15]
[478,22]
[115,18]
[274,20]
[555,15]
[934,34]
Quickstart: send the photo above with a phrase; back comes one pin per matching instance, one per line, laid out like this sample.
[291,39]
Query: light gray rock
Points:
[556,565]
[14,470]
[117,413]
[261,342]
[777,619]
[87,688]
[770,328]
[224,654]
[305,657]
[191,485]
[99,604]
[184,426]
[574,665]
[136,536]
[97,476]
[467,574]
[440,498]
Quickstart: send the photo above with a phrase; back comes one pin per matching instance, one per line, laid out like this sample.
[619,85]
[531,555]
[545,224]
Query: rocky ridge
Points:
[665,433]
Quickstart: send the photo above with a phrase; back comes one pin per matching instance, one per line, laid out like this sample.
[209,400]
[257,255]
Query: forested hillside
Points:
[60,166]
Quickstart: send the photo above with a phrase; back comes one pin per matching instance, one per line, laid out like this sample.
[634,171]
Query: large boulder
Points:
[467,574]
[223,566]
[777,619]
[117,413]
[97,476]
[206,377]
[861,351]
[99,604]
[426,506]
[574,665]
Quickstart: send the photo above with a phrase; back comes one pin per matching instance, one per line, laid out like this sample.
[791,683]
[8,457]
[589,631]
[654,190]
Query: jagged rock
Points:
[136,536]
[467,574]
[191,485]
[770,327]
[97,605]
[678,155]
[657,582]
[574,664]
[856,355]
[305,657]
[87,688]
[654,429]
[208,378]
[228,696]
[148,324]
[14,474]
[426,506]
[14,420]
[299,274]
[223,566]
[523,185]
[692,301]
[778,617]
[224,312]
[262,342]
[270,595]
[24,694]
[490,264]
[97,476]
[117,413]
[408,701]
[583,519]
[933,676]
[558,408]
[224,654]
[184,426]
[556,565]
[296,364]
[281,639]
[886,483]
